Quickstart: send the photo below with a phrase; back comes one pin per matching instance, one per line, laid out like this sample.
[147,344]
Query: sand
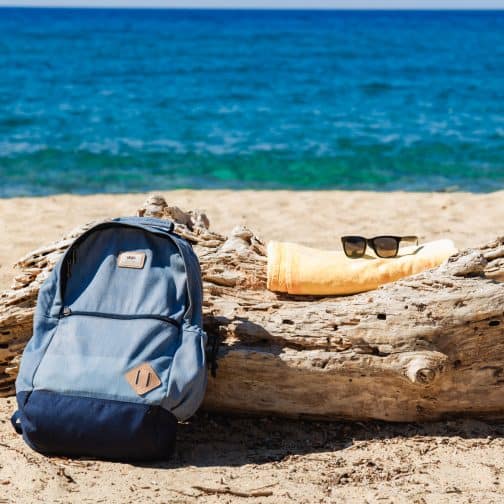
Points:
[219,457]
[311,218]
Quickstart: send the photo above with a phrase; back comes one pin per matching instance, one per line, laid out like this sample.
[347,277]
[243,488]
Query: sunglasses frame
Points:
[371,243]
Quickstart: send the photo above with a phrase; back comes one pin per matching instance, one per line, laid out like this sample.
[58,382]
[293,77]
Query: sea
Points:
[112,100]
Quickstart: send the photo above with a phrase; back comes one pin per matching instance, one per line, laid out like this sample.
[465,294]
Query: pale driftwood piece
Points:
[423,348]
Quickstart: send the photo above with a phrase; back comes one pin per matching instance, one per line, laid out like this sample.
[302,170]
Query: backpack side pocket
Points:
[188,377]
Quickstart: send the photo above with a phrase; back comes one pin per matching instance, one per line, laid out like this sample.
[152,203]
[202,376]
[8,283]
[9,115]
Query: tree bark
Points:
[423,348]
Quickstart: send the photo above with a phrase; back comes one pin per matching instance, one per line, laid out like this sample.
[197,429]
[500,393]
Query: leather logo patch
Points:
[134,260]
[143,379]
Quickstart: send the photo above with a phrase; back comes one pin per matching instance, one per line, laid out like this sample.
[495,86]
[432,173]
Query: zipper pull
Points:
[66,311]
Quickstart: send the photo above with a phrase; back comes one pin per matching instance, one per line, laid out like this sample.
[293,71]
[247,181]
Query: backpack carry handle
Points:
[164,225]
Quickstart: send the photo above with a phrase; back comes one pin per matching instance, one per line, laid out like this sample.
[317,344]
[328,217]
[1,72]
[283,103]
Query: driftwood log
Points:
[423,348]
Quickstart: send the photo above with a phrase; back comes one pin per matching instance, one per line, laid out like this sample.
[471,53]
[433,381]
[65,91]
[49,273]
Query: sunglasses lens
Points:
[354,246]
[385,246]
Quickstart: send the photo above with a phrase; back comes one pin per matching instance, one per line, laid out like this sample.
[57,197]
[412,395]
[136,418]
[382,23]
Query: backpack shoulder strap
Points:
[193,314]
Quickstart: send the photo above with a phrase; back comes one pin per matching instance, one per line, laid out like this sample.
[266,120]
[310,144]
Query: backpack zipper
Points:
[67,312]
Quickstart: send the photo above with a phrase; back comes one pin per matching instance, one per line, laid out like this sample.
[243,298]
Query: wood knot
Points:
[468,264]
[424,369]
[425,375]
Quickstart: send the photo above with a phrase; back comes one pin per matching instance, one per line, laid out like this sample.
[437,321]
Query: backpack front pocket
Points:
[92,354]
[55,424]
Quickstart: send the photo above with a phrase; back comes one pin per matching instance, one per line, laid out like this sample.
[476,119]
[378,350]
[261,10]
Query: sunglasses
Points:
[383,246]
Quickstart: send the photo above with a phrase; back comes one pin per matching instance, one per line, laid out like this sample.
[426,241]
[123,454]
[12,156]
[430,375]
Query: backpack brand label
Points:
[134,260]
[143,379]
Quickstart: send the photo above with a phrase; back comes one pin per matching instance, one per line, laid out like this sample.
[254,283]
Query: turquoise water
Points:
[134,100]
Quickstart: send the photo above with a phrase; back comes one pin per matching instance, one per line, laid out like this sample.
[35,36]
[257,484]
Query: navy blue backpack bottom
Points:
[59,424]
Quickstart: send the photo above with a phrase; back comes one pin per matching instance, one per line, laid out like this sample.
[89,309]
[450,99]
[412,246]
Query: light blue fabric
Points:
[87,354]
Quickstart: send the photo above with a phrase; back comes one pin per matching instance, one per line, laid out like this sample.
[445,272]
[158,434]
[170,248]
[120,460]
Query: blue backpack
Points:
[117,355]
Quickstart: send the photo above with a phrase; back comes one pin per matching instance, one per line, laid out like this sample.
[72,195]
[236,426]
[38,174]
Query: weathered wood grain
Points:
[422,348]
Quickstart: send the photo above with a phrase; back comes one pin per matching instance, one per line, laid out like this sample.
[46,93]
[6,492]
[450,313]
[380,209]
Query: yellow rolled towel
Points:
[297,269]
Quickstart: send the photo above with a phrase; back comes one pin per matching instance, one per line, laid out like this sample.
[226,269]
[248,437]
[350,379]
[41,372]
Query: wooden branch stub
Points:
[424,368]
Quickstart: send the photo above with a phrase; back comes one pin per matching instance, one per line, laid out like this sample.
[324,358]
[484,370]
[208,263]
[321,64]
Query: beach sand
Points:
[311,218]
[283,460]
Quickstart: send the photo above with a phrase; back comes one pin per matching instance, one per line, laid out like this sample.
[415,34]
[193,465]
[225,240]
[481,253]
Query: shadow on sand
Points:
[221,440]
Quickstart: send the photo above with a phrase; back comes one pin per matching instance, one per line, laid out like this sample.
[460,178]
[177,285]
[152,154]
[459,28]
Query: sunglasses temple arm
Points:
[410,239]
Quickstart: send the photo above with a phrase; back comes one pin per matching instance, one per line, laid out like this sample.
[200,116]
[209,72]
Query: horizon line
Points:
[252,8]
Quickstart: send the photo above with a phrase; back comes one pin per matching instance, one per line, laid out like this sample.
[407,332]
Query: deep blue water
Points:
[133,100]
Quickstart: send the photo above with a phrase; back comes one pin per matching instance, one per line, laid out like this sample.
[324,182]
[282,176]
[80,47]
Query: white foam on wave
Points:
[8,149]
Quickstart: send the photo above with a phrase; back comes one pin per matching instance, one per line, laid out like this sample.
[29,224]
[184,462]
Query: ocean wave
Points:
[298,100]
[9,149]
